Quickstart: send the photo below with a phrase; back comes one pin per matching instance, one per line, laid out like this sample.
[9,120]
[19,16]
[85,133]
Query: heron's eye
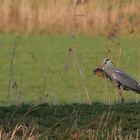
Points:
[107,59]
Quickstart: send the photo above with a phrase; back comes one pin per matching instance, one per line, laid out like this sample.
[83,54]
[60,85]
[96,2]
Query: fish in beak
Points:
[100,72]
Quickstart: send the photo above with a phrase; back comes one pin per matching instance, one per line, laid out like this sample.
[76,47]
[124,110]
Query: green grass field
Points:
[46,71]
[57,70]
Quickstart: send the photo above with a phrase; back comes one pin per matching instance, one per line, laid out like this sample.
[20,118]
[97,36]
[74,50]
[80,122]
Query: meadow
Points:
[58,69]
[48,51]
[48,91]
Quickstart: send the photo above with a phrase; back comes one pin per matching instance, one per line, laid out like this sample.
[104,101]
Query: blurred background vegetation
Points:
[53,16]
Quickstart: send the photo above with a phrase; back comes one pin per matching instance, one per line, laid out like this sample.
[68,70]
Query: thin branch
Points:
[11,69]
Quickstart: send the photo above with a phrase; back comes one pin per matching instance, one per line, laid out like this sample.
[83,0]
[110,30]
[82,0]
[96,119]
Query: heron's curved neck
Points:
[108,68]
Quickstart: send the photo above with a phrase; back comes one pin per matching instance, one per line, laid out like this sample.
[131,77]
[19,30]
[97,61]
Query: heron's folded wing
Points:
[124,79]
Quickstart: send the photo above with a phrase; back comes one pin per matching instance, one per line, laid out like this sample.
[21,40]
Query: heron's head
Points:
[106,63]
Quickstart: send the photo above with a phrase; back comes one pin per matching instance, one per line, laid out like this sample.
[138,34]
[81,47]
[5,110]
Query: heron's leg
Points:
[121,93]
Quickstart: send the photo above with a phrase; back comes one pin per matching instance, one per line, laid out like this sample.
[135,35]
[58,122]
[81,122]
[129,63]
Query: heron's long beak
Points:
[102,66]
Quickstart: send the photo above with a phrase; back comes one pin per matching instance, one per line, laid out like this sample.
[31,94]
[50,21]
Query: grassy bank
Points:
[75,121]
[95,16]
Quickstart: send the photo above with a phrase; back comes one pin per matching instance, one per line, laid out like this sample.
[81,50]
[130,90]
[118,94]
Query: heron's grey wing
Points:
[125,80]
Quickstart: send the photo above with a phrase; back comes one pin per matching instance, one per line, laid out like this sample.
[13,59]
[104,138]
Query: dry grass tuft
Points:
[21,131]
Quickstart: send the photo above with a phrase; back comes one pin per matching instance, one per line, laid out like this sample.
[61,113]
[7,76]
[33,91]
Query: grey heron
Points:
[119,78]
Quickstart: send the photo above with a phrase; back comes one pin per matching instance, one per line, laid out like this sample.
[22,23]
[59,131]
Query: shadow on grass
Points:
[73,120]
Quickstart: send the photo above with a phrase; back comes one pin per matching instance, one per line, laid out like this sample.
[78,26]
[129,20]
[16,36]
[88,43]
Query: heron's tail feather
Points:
[137,90]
